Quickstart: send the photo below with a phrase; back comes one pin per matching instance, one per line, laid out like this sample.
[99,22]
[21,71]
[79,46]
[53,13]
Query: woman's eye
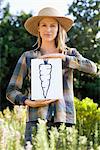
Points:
[52,25]
[43,25]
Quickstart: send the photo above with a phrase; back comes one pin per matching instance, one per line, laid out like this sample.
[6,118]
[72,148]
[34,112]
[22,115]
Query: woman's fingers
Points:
[40,103]
[55,55]
[50,101]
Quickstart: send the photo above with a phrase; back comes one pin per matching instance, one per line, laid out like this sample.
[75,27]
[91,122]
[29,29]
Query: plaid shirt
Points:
[64,109]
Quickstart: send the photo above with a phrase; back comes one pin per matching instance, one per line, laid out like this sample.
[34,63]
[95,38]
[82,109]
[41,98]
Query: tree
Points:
[14,40]
[84,36]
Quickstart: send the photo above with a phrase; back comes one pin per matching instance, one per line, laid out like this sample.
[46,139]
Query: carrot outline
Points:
[45,63]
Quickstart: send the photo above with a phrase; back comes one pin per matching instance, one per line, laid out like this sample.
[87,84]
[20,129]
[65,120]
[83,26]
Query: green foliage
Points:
[84,36]
[85,135]
[12,128]
[14,40]
[93,86]
[88,119]
[84,33]
[42,143]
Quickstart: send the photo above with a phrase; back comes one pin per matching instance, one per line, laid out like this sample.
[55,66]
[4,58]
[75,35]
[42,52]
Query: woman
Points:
[50,28]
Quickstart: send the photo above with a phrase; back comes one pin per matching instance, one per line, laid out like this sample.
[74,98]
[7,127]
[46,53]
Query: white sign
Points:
[46,79]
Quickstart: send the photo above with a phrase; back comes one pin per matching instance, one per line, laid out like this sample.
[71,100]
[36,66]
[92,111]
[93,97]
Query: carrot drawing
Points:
[45,76]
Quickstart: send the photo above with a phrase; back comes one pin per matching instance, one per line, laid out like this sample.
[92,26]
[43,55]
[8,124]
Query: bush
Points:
[88,120]
[85,135]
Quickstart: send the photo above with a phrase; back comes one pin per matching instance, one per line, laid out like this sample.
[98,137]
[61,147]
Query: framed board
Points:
[46,79]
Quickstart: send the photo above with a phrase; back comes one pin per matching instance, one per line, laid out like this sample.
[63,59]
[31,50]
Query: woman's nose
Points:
[48,28]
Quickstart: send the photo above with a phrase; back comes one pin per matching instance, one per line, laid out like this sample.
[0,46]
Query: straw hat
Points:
[31,24]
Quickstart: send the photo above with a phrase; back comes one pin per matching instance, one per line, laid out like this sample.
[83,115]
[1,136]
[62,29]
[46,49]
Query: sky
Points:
[33,6]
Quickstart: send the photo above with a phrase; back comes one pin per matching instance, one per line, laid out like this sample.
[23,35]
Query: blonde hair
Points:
[60,40]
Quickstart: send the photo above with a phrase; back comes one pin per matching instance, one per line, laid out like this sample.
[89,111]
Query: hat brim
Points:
[31,24]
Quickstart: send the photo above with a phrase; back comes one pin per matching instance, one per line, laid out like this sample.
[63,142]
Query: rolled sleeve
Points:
[76,61]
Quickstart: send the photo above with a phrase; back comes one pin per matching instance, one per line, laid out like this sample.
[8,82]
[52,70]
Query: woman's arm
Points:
[74,60]
[39,103]
[13,92]
[77,61]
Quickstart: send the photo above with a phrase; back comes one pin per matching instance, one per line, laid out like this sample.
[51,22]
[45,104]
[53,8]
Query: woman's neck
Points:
[48,48]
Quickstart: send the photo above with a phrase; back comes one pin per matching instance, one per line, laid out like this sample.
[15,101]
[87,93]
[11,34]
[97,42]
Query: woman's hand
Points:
[39,103]
[54,55]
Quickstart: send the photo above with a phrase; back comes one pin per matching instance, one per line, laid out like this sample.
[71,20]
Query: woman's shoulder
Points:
[31,54]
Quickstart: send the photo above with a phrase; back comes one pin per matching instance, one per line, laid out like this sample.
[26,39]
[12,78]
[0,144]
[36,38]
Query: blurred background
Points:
[84,35]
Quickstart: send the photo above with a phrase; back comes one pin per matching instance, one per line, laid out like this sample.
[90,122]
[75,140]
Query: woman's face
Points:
[48,29]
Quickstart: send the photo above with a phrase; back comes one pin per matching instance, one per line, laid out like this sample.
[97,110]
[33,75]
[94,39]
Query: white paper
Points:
[46,79]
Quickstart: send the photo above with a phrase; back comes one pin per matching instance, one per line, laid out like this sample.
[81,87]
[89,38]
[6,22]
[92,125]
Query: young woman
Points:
[50,28]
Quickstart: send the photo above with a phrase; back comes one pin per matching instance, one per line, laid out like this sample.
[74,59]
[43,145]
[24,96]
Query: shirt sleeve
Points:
[76,61]
[13,92]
